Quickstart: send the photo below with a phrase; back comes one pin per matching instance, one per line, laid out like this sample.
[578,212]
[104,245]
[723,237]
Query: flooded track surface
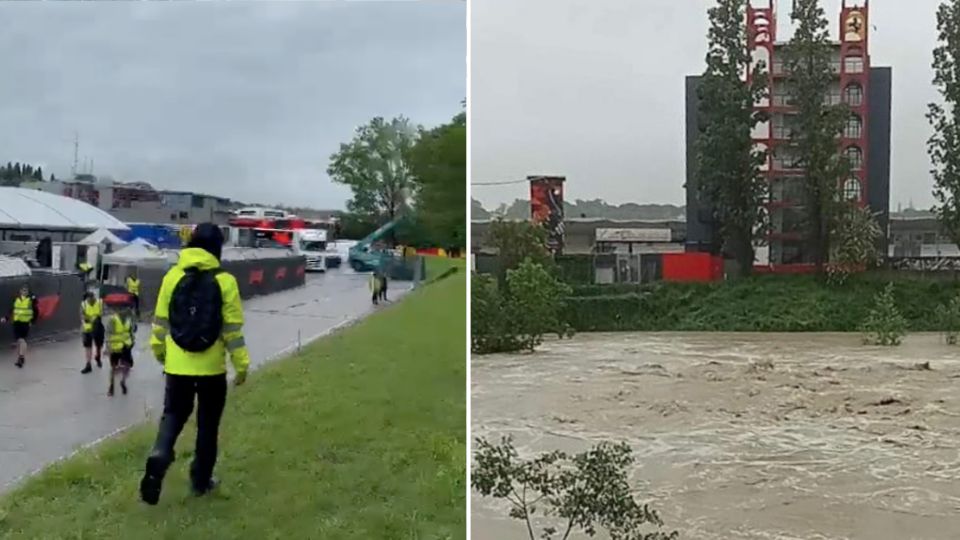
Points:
[48,409]
[745,436]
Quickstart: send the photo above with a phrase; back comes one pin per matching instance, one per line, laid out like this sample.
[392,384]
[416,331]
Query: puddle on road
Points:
[745,436]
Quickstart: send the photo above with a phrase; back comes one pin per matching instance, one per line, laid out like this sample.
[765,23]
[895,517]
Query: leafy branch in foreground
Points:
[584,492]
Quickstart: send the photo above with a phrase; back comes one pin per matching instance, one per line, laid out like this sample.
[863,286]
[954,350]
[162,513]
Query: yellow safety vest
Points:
[133,286]
[90,314]
[121,335]
[23,309]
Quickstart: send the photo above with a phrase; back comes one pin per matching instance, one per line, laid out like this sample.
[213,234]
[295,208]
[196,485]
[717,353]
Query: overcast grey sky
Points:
[241,99]
[593,90]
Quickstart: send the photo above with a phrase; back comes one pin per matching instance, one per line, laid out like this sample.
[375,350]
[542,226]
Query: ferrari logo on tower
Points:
[854,27]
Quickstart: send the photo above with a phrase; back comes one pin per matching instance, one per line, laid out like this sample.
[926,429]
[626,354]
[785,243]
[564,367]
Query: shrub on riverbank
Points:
[758,304]
[516,315]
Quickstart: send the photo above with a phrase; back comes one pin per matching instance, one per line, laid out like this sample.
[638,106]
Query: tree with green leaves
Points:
[727,169]
[944,145]
[586,492]
[439,165]
[14,174]
[516,241]
[884,325]
[375,166]
[854,242]
[808,59]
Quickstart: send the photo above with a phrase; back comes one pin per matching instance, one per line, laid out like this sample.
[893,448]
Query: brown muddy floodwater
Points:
[756,436]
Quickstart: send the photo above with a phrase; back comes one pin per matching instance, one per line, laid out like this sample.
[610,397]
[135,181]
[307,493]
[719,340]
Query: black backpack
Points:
[196,320]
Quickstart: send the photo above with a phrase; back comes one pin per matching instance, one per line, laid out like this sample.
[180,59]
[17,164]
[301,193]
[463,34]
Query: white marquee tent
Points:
[27,208]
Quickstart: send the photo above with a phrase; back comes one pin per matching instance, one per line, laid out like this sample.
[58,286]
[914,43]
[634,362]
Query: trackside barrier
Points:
[59,295]
[58,301]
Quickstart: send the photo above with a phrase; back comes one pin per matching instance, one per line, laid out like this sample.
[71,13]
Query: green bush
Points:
[949,318]
[535,301]
[607,290]
[518,315]
[757,304]
[491,327]
[884,324]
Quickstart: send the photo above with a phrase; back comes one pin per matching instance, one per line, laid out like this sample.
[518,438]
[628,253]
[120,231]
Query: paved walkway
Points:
[48,409]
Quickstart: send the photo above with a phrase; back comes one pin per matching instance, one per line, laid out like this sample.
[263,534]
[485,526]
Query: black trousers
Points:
[210,392]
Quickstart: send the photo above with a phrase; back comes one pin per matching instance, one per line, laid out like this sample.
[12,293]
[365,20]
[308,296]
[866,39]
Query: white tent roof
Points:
[141,242]
[26,208]
[136,255]
[13,266]
[101,236]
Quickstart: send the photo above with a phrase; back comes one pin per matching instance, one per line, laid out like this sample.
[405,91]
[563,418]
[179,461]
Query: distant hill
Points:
[597,208]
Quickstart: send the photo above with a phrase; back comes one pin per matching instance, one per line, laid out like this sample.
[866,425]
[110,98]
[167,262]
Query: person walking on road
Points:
[375,286]
[120,333]
[133,287]
[383,286]
[91,317]
[198,320]
[24,315]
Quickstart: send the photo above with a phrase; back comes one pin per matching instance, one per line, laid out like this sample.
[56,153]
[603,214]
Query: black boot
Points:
[86,369]
[200,491]
[123,387]
[20,361]
[99,363]
[152,482]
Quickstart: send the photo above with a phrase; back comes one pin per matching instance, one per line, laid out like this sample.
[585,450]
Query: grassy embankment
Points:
[361,436]
[762,304]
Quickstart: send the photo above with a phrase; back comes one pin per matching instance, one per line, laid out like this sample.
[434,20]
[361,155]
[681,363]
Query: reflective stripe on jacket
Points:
[121,333]
[23,309]
[133,286]
[91,312]
[212,361]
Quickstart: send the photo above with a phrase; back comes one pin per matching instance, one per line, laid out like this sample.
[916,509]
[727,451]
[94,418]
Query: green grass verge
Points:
[761,304]
[360,436]
[436,266]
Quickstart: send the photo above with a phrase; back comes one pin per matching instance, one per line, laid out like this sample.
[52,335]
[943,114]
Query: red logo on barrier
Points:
[281,272]
[47,306]
[300,271]
[256,277]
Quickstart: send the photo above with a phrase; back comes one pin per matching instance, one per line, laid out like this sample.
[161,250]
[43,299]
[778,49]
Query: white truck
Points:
[312,244]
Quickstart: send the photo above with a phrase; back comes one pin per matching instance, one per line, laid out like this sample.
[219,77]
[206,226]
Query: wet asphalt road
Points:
[49,410]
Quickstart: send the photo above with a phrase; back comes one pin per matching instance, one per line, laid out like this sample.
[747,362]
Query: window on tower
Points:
[854,127]
[853,95]
[855,157]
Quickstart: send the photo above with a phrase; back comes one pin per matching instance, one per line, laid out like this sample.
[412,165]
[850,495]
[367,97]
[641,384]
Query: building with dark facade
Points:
[865,140]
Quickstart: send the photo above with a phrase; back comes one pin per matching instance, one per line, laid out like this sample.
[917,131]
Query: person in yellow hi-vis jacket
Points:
[133,287]
[120,327]
[24,315]
[198,320]
[375,283]
[91,319]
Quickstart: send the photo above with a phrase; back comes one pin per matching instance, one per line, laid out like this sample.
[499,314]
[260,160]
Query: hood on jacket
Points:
[201,259]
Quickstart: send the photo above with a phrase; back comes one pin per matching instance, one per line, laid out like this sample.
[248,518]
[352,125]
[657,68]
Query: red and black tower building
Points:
[865,140]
